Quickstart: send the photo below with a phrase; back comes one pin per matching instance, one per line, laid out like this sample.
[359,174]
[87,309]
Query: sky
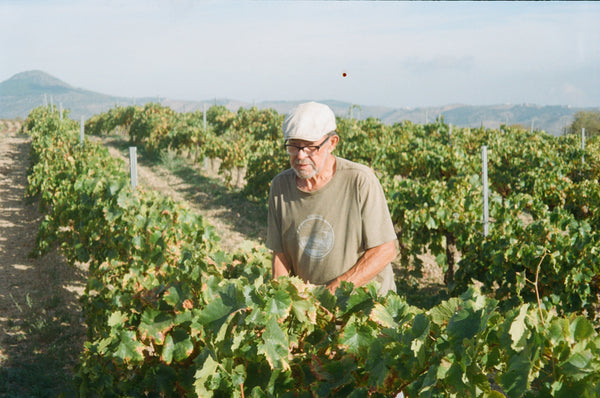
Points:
[386,53]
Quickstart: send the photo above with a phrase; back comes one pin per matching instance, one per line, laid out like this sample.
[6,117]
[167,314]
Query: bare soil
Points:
[41,331]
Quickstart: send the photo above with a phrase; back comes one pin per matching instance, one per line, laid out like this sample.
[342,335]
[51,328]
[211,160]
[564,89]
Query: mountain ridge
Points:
[30,82]
[27,90]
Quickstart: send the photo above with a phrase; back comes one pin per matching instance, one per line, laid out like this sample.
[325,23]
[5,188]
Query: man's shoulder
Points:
[284,175]
[282,179]
[354,168]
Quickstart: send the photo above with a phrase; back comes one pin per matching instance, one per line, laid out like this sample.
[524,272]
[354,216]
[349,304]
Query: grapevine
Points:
[171,314]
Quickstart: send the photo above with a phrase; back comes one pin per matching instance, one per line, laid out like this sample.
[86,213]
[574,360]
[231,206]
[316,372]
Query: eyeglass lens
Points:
[308,149]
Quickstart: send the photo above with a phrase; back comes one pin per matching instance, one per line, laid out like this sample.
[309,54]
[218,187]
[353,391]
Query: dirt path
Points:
[41,331]
[234,219]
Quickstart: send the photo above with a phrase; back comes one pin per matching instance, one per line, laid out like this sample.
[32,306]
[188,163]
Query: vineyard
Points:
[169,313]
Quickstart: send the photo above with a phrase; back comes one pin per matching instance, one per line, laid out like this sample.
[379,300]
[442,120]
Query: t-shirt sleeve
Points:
[376,220]
[274,222]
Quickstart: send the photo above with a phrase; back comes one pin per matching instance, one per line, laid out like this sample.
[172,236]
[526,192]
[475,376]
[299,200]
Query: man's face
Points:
[309,161]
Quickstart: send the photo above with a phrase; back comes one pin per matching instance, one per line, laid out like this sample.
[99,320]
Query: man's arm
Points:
[281,266]
[372,262]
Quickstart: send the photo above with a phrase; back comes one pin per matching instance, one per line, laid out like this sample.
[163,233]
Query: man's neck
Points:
[321,179]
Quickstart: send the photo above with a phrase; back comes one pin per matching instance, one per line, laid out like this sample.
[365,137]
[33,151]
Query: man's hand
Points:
[332,287]
[372,262]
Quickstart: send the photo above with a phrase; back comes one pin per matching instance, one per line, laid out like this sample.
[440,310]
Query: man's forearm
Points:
[280,265]
[372,262]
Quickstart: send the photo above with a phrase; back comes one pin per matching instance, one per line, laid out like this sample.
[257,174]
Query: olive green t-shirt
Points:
[324,233]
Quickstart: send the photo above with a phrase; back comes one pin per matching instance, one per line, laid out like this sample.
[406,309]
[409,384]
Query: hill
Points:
[27,90]
[552,119]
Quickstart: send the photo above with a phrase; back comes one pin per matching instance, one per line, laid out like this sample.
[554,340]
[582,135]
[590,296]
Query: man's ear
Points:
[334,141]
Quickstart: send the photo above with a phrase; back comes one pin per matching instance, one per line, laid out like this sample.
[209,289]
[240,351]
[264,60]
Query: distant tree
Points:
[590,120]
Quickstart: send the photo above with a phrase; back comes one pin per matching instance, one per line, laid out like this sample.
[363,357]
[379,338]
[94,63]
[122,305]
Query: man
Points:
[328,219]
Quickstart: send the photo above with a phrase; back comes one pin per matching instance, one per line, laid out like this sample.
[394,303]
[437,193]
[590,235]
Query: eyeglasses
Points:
[308,149]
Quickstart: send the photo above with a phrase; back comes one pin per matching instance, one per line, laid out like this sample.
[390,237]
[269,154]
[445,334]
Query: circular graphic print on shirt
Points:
[315,236]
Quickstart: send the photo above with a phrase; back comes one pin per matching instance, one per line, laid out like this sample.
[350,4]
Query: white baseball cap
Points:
[309,122]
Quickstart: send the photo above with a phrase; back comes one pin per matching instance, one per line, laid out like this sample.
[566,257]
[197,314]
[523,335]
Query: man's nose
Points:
[301,154]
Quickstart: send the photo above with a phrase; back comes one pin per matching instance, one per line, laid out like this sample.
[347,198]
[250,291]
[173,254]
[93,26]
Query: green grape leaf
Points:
[129,349]
[155,324]
[356,335]
[515,381]
[279,304]
[381,316]
[464,324]
[171,296]
[305,311]
[178,346]
[214,314]
[274,345]
[581,329]
[203,375]
[117,318]
[518,329]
